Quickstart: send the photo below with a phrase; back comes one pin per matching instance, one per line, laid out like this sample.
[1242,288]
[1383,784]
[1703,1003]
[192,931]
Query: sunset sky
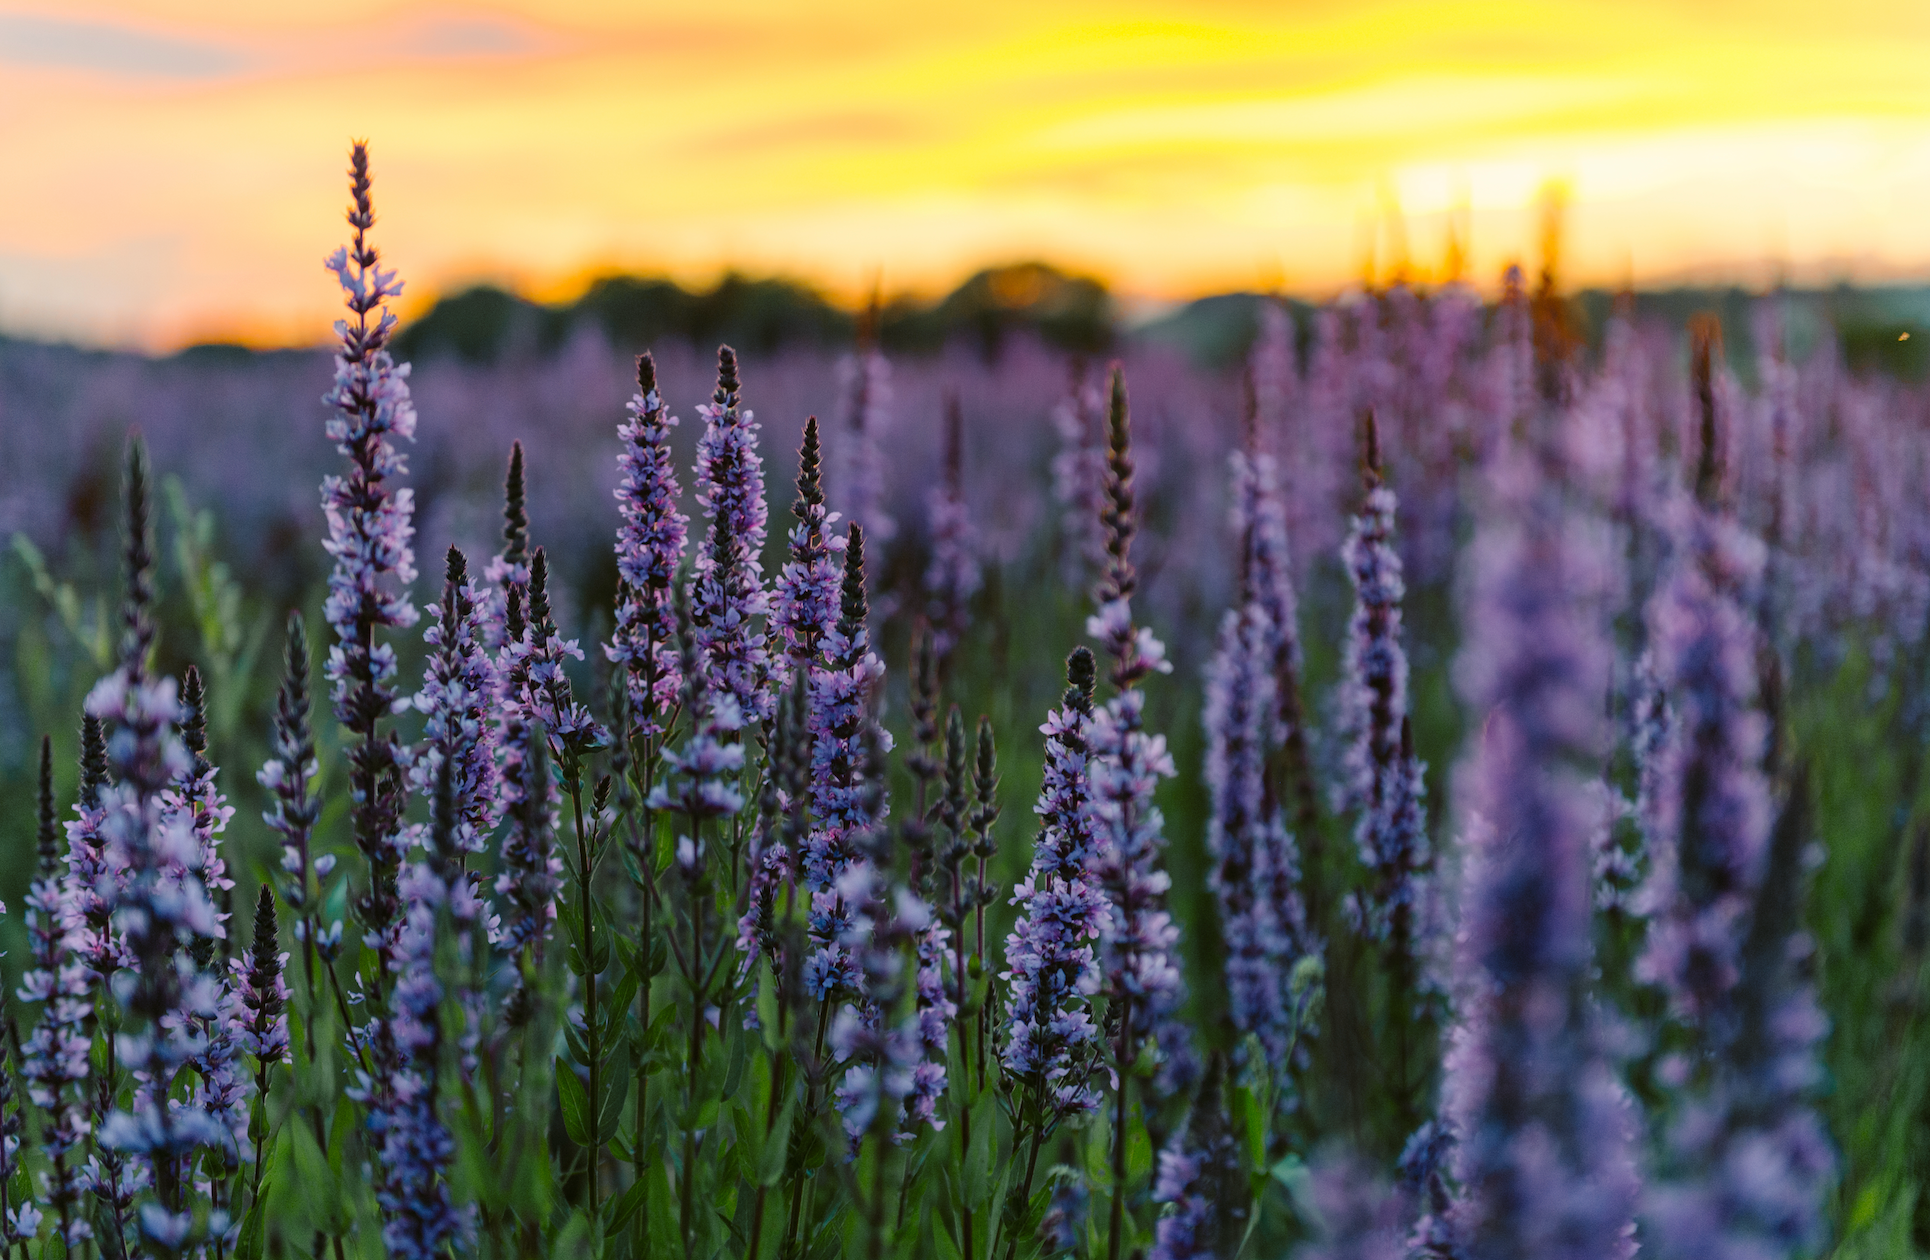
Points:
[174,167]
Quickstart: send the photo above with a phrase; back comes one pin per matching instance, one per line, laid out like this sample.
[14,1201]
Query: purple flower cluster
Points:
[1360,1216]
[1381,777]
[844,806]
[650,546]
[727,597]
[414,1146]
[1079,470]
[1543,1127]
[1251,850]
[952,577]
[1199,1172]
[542,696]
[884,1053]
[807,588]
[1125,764]
[290,771]
[700,777]
[864,379]
[457,699]
[54,1058]
[1750,1157]
[370,527]
[1051,967]
[1712,809]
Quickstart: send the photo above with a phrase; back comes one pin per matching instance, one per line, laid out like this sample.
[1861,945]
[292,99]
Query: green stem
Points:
[1117,1232]
[699,984]
[592,1027]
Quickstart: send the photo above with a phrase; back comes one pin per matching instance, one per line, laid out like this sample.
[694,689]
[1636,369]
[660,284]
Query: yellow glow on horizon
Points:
[177,164]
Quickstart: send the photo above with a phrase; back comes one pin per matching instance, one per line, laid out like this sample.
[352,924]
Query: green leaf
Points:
[767,1006]
[771,1160]
[627,1204]
[734,1069]
[576,1104]
[616,1088]
[978,1158]
[254,1226]
[1139,1153]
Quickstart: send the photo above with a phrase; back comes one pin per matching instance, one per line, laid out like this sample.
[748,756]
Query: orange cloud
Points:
[176,164]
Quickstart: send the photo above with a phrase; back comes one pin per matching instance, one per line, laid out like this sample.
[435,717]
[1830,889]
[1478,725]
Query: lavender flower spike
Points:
[864,379]
[1543,1127]
[952,577]
[158,903]
[727,598]
[542,692]
[456,699]
[1751,1158]
[1126,763]
[290,770]
[1245,835]
[650,546]
[18,1225]
[54,1059]
[807,589]
[264,991]
[1050,1034]
[1712,810]
[1383,779]
[369,532]
[844,805]
[1201,1181]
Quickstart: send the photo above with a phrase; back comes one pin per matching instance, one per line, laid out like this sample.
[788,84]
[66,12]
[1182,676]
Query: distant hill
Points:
[1883,329]
[757,316]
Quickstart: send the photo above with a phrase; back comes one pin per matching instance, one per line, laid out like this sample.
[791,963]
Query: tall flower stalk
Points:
[952,577]
[728,601]
[1051,1043]
[54,1059]
[369,531]
[650,547]
[1140,975]
[698,785]
[1383,781]
[160,908]
[1543,1128]
[288,775]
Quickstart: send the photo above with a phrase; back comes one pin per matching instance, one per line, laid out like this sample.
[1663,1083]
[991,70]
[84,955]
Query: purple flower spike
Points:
[457,699]
[159,906]
[1749,1157]
[952,577]
[54,1059]
[415,1147]
[864,380]
[1251,850]
[264,991]
[650,546]
[369,531]
[1712,807]
[1126,762]
[1360,1217]
[1201,1182]
[844,805]
[1051,1036]
[1543,1126]
[290,770]
[542,692]
[1383,781]
[727,598]
[807,590]
[1079,472]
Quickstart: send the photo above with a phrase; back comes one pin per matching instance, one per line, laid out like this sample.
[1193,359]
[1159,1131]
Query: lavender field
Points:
[1445,782]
